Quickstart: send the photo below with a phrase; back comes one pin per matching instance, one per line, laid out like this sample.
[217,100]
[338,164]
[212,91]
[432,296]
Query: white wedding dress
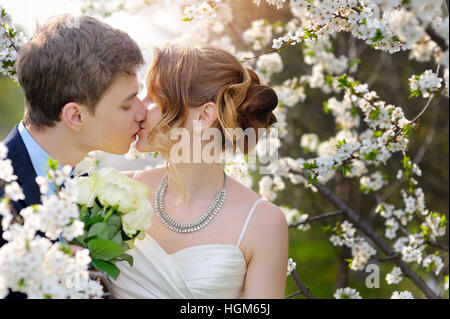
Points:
[204,271]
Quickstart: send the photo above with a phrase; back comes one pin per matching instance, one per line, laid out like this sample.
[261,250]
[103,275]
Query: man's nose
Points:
[141,113]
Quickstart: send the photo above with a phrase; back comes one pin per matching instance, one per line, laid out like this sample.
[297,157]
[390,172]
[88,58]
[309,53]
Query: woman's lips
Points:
[138,131]
[141,129]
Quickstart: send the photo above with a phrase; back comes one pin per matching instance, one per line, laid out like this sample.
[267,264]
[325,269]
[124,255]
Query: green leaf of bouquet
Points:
[106,267]
[114,220]
[117,238]
[112,231]
[127,258]
[80,241]
[105,249]
[92,221]
[96,209]
[100,230]
[84,213]
[126,246]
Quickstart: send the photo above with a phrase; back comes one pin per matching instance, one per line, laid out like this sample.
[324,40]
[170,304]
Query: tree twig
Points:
[377,70]
[298,292]
[389,258]
[303,289]
[424,109]
[314,218]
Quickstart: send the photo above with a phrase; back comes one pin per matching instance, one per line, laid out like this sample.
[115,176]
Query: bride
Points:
[240,247]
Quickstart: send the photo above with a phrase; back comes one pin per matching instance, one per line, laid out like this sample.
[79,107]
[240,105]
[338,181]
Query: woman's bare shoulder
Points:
[268,223]
[268,230]
[244,194]
[241,192]
[266,211]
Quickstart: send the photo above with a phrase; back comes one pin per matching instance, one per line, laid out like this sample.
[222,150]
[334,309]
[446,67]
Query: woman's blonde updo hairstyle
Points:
[184,76]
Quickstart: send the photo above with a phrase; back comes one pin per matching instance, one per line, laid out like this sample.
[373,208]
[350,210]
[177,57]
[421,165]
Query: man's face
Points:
[117,118]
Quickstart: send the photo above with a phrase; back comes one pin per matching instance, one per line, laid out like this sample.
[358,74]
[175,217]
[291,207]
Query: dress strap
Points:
[247,221]
[135,174]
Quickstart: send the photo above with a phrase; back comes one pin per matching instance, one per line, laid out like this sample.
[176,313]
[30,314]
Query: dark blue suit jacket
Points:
[26,178]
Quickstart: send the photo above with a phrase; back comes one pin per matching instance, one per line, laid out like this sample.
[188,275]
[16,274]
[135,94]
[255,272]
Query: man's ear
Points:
[208,114]
[72,115]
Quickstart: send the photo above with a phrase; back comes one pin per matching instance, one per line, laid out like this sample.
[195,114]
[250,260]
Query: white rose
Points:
[112,195]
[139,220]
[86,190]
[114,188]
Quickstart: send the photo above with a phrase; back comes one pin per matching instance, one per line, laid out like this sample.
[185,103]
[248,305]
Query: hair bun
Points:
[256,111]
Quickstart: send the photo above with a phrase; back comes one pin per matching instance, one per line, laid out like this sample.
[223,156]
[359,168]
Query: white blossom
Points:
[309,142]
[291,266]
[433,261]
[395,276]
[346,293]
[402,295]
[7,171]
[14,191]
[427,83]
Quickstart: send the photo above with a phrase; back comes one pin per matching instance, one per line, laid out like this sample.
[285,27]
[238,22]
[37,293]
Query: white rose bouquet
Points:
[115,210]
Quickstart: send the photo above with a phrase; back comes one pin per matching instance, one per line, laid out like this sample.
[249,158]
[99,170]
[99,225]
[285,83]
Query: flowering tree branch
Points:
[417,160]
[372,234]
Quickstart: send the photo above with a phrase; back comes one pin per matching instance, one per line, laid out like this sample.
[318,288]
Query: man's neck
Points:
[59,144]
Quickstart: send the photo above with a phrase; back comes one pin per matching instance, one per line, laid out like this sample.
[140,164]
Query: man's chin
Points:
[118,151]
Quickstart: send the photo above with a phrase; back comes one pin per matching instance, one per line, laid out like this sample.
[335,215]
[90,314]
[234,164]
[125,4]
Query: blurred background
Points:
[320,265]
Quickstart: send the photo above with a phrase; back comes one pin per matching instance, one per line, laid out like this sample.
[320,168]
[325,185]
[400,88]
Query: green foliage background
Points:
[11,105]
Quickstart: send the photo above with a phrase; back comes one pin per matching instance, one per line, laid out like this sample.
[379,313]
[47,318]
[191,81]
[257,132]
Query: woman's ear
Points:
[208,115]
[72,115]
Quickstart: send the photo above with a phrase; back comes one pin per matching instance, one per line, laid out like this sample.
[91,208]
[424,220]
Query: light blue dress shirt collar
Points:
[38,155]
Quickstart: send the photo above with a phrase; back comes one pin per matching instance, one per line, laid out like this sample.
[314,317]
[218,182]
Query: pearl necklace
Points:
[195,225]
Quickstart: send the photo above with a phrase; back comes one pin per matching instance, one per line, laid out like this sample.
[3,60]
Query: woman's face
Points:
[154,115]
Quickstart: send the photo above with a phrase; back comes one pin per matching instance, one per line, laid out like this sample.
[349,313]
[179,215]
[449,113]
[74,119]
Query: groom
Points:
[79,78]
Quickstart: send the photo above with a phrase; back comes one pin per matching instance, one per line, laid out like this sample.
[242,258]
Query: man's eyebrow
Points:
[131,96]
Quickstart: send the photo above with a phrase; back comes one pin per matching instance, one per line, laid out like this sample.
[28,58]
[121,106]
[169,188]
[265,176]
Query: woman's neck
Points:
[199,182]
